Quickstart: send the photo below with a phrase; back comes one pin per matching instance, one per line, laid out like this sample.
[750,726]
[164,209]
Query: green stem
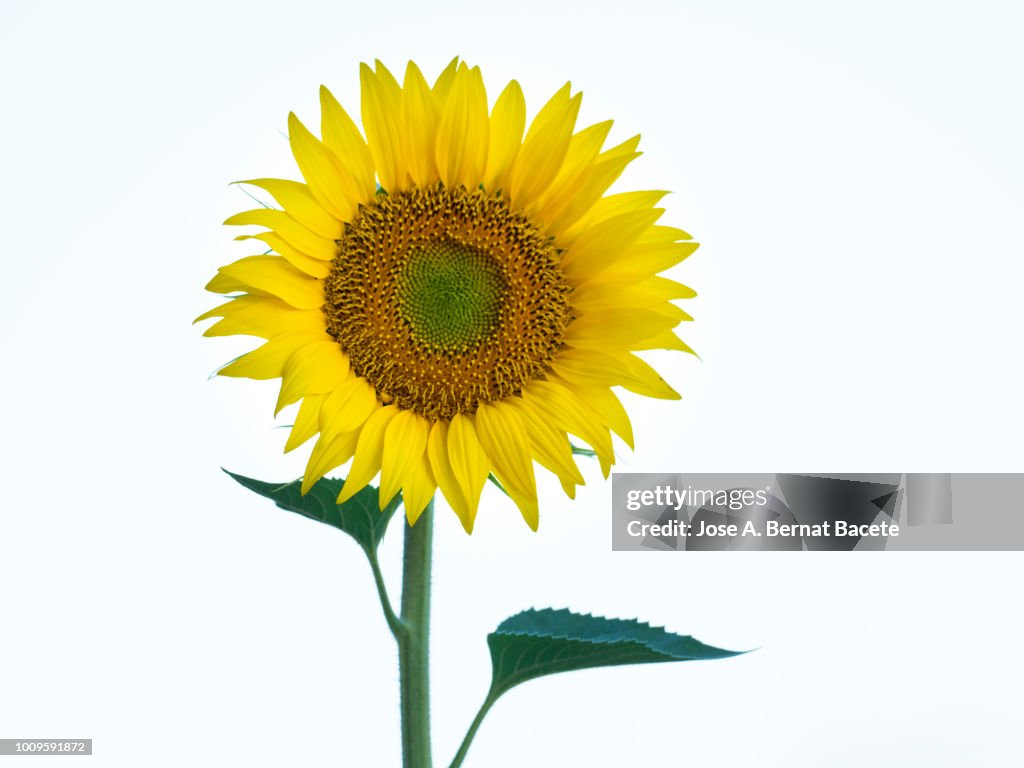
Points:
[413,648]
[394,623]
[473,728]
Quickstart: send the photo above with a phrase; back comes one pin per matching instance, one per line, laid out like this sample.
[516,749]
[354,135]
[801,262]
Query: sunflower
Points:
[448,299]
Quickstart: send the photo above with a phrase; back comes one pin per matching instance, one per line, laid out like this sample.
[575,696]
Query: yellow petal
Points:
[670,311]
[382,119]
[508,119]
[387,80]
[307,422]
[300,204]
[417,488]
[580,373]
[604,243]
[604,293]
[317,268]
[444,474]
[593,367]
[328,181]
[568,413]
[267,361]
[646,259]
[262,316]
[328,454]
[463,133]
[274,276]
[469,462]
[662,235]
[479,130]
[609,368]
[443,84]
[583,149]
[312,370]
[343,138]
[619,327]
[419,122]
[613,205]
[404,441]
[369,452]
[607,406]
[507,442]
[544,148]
[550,447]
[666,340]
[221,283]
[595,182]
[348,407]
[288,228]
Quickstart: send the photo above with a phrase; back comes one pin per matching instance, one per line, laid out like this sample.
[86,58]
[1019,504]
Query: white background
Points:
[854,173]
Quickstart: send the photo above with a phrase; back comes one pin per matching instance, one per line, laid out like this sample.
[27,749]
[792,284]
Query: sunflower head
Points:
[449,299]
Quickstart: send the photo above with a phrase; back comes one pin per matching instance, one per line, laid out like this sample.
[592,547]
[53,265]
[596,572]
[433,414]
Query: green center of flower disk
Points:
[450,294]
[443,299]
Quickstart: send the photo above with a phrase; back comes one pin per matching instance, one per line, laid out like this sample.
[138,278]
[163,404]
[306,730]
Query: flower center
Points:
[451,295]
[444,299]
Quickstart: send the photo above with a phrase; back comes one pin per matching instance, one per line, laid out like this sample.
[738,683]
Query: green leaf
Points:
[578,451]
[360,517]
[535,643]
